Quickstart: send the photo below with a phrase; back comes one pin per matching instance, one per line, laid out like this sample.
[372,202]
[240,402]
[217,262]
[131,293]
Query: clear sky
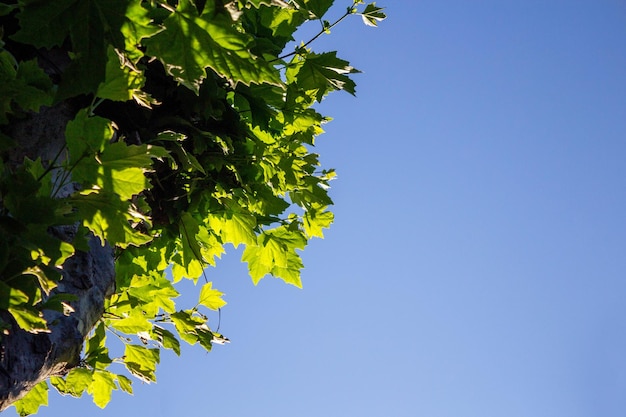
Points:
[477,265]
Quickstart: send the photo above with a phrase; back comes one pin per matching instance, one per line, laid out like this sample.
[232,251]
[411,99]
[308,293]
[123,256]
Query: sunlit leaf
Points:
[141,361]
[30,403]
[210,297]
[101,388]
[191,42]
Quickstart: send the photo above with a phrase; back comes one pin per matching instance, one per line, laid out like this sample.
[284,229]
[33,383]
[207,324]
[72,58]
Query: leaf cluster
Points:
[192,130]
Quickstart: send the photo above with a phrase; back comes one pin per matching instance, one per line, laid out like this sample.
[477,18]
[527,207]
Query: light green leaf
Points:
[125,384]
[108,218]
[275,254]
[101,387]
[210,297]
[29,319]
[141,362]
[137,26]
[290,273]
[59,384]
[121,82]
[314,221]
[154,290]
[234,227]
[119,168]
[30,403]
[210,246]
[186,325]
[132,324]
[77,381]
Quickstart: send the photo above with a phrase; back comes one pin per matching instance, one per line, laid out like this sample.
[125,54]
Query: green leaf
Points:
[30,403]
[86,135]
[314,221]
[45,24]
[121,82]
[234,227]
[132,324]
[58,302]
[108,218]
[290,273]
[29,318]
[101,387]
[190,247]
[275,254]
[59,384]
[372,15]
[22,85]
[118,168]
[141,362]
[210,297]
[321,73]
[96,352]
[191,42]
[283,21]
[187,325]
[125,384]
[155,291]
[90,24]
[77,381]
[166,338]
[210,246]
[137,26]
[205,337]
[5,9]
[317,7]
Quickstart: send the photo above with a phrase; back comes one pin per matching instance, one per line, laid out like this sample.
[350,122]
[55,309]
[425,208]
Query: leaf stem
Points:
[324,30]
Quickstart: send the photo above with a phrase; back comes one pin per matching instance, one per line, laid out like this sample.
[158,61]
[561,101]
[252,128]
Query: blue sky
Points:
[477,263]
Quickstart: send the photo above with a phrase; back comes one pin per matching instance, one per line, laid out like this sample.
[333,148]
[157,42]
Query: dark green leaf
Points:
[166,338]
[224,49]
[321,73]
[372,15]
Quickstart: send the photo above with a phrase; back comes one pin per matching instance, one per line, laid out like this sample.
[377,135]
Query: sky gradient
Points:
[477,263]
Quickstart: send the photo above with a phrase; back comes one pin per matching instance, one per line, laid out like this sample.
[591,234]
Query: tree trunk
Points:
[25,358]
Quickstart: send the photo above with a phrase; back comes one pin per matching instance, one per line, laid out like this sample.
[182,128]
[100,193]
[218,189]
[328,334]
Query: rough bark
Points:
[25,358]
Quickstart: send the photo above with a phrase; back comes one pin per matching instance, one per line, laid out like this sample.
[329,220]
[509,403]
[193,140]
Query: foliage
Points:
[192,132]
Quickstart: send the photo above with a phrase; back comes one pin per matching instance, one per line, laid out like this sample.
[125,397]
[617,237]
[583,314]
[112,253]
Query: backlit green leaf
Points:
[77,381]
[234,227]
[315,221]
[31,402]
[125,384]
[101,387]
[210,297]
[132,324]
[141,361]
[108,218]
